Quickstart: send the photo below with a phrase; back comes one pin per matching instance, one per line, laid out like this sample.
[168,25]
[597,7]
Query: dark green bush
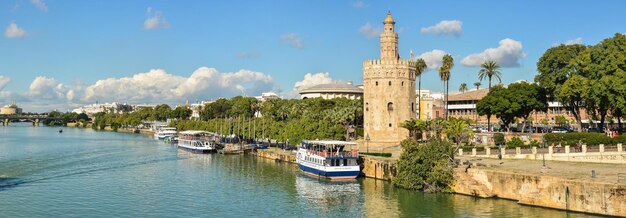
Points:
[498,139]
[376,154]
[515,142]
[425,167]
[535,143]
[589,138]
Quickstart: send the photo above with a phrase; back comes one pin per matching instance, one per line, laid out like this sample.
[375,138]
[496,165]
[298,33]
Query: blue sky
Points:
[62,54]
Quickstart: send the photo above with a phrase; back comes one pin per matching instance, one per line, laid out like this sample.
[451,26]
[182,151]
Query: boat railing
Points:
[327,154]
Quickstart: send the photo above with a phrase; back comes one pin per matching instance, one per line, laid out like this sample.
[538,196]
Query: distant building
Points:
[463,104]
[389,95]
[267,96]
[105,107]
[431,106]
[333,90]
[197,107]
[10,109]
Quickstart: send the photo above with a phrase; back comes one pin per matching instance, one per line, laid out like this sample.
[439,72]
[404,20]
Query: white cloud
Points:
[40,5]
[313,79]
[508,54]
[4,81]
[157,86]
[14,31]
[574,41]
[155,20]
[445,28]
[310,79]
[370,31]
[433,58]
[292,39]
[359,4]
[44,88]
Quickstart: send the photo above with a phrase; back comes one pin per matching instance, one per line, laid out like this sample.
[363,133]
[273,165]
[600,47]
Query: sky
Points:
[62,54]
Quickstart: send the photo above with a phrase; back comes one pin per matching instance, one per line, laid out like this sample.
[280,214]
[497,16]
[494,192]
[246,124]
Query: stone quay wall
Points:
[545,191]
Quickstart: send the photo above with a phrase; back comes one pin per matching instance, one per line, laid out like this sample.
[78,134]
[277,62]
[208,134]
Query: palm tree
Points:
[463,88]
[477,84]
[444,74]
[421,67]
[490,69]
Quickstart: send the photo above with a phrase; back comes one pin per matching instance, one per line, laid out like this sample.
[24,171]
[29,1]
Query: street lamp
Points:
[367,142]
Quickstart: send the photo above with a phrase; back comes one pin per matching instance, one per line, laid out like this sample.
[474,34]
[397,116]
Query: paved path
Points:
[571,170]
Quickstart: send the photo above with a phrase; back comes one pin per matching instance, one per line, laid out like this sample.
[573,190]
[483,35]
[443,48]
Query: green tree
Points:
[477,84]
[463,87]
[458,130]
[444,74]
[420,68]
[554,66]
[527,98]
[488,70]
[574,94]
[162,112]
[425,167]
[498,102]
[181,113]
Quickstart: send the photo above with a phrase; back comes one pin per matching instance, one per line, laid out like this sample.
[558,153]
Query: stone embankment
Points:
[545,191]
[565,190]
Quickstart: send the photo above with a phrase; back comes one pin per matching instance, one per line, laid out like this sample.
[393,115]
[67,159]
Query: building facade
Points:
[11,109]
[389,91]
[332,90]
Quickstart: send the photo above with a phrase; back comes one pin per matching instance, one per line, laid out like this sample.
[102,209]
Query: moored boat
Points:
[165,132]
[197,141]
[335,160]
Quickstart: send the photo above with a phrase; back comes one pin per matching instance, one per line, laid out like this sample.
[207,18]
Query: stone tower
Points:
[389,91]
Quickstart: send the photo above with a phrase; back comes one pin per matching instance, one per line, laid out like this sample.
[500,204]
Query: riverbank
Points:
[561,185]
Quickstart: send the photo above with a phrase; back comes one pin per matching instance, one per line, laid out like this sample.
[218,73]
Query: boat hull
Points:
[332,175]
[197,151]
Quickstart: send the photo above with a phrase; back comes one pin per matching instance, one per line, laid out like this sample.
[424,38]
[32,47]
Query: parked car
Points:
[594,129]
[560,130]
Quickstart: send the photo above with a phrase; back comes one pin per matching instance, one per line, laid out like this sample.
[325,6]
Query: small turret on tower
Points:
[389,40]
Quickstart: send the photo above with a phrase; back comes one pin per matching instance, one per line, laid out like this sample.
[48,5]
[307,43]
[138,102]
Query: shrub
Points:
[589,138]
[515,142]
[534,143]
[376,154]
[498,138]
[425,167]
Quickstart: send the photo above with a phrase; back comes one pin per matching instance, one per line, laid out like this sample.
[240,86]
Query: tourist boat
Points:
[333,160]
[197,141]
[165,132]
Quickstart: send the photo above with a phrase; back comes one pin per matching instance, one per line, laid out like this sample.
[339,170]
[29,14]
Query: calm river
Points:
[85,173]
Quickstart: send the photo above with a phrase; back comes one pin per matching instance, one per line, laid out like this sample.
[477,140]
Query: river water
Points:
[87,173]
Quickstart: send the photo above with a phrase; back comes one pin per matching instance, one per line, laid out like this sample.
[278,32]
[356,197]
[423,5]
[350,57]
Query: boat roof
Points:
[196,132]
[168,128]
[329,142]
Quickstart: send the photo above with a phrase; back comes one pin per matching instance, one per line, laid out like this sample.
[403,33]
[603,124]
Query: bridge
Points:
[33,118]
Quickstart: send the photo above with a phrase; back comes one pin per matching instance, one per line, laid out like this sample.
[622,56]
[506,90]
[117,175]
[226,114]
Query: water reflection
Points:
[329,198]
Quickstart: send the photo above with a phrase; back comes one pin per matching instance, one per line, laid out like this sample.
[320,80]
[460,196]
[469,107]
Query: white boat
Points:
[333,160]
[197,141]
[165,132]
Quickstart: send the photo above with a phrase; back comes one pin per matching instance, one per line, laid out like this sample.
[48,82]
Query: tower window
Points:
[390,107]
[389,124]
[389,83]
[412,106]
[403,83]
[376,83]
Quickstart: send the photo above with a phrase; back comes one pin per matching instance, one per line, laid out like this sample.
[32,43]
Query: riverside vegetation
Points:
[284,120]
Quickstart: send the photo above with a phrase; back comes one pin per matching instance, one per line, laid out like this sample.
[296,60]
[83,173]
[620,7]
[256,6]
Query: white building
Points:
[105,107]
[333,90]
[267,96]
